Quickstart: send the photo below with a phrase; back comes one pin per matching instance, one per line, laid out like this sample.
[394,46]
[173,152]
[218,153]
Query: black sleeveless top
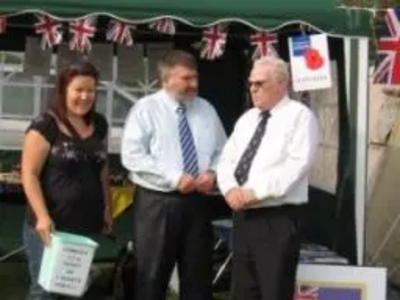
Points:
[71,177]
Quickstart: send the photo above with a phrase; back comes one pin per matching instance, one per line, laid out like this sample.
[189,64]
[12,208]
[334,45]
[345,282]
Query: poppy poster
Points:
[309,60]
[326,282]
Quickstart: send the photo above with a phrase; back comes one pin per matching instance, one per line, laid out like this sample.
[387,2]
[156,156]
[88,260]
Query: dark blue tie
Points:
[189,154]
[243,167]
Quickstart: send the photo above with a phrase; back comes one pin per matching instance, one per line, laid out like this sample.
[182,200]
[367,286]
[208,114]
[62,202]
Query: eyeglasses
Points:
[257,84]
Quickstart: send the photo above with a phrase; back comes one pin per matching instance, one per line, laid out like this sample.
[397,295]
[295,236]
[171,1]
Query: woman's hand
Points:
[44,227]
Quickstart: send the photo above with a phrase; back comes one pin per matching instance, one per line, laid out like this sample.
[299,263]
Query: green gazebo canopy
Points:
[324,15]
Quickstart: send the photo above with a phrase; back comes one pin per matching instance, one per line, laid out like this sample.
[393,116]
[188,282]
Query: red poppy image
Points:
[313,58]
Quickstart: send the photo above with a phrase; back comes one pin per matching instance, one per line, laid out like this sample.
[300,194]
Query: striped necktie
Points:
[189,155]
[243,167]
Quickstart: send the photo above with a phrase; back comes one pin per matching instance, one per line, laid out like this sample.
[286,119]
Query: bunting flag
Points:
[49,28]
[3,25]
[309,292]
[82,30]
[120,33]
[303,292]
[264,42]
[165,25]
[213,42]
[387,69]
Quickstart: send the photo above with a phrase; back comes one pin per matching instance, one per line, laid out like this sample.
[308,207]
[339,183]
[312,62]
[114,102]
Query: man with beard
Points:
[171,145]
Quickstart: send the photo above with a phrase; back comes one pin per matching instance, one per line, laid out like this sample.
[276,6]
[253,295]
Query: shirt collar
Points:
[172,103]
[168,100]
[277,106]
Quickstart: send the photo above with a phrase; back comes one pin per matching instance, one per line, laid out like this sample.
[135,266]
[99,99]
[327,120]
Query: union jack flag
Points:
[3,25]
[387,70]
[309,292]
[306,292]
[50,31]
[214,39]
[264,44]
[165,25]
[120,32]
[82,31]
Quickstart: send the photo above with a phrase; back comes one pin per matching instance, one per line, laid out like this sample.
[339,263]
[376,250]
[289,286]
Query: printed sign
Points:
[72,267]
[310,65]
[324,282]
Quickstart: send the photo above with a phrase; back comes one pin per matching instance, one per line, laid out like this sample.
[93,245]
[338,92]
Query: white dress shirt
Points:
[150,142]
[279,172]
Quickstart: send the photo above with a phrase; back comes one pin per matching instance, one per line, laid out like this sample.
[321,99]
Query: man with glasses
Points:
[263,174]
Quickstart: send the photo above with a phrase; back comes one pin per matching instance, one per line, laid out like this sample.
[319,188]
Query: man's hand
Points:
[238,198]
[249,196]
[235,198]
[205,182]
[186,184]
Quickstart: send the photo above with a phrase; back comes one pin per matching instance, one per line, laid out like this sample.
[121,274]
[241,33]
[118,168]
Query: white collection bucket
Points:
[66,264]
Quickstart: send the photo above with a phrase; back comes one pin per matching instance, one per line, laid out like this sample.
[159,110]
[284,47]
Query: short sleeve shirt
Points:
[71,177]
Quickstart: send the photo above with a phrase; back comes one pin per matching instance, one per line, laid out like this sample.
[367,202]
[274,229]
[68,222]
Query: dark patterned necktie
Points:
[243,167]
[189,153]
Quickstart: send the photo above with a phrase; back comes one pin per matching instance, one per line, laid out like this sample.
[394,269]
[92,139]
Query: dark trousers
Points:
[266,246]
[172,228]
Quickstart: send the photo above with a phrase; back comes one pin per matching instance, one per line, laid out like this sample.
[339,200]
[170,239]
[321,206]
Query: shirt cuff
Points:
[173,177]
[259,193]
[258,189]
[225,187]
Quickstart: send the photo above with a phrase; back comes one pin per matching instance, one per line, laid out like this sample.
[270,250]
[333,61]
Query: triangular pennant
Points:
[49,28]
[213,42]
[164,25]
[82,31]
[264,43]
[120,33]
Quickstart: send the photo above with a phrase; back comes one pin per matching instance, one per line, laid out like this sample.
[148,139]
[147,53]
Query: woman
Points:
[64,169]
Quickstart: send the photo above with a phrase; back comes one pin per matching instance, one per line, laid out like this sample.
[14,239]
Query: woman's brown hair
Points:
[64,78]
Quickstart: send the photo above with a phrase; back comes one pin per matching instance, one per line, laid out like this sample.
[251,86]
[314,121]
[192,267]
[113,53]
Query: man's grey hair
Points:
[279,67]
[174,58]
